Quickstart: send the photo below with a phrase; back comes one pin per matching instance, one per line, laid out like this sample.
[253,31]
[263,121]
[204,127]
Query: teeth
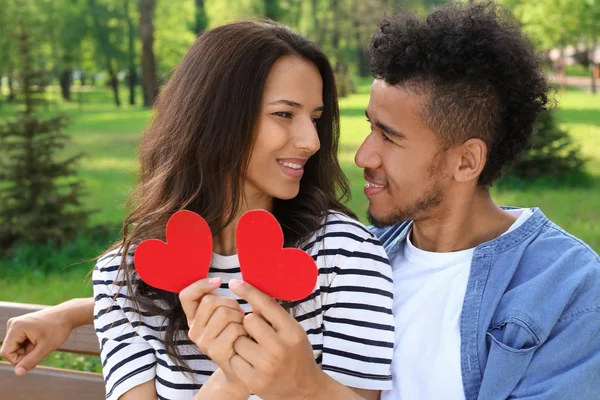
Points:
[372,185]
[290,165]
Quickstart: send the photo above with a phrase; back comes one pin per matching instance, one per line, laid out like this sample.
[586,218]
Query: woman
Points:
[249,120]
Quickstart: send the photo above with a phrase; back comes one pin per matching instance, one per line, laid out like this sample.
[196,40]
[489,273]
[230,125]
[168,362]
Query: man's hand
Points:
[278,362]
[31,337]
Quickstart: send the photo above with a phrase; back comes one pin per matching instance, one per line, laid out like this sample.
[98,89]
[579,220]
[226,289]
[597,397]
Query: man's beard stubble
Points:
[432,197]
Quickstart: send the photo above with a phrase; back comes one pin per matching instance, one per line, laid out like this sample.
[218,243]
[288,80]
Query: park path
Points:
[579,82]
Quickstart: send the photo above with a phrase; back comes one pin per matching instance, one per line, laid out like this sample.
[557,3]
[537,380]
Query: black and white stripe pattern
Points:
[348,319]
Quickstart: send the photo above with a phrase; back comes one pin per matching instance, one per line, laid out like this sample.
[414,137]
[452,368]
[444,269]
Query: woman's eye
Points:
[283,114]
[316,120]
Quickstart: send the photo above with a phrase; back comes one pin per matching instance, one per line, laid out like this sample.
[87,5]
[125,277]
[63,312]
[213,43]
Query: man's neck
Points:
[461,224]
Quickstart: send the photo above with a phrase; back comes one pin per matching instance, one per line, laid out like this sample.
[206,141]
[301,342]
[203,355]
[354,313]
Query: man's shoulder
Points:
[557,277]
[558,248]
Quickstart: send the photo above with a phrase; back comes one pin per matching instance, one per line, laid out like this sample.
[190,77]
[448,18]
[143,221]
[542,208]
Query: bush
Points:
[39,260]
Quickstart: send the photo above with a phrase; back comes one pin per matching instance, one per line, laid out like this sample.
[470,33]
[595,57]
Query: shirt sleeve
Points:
[128,360]
[358,323]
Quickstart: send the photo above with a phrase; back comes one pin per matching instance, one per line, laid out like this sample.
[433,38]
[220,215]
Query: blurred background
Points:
[77,78]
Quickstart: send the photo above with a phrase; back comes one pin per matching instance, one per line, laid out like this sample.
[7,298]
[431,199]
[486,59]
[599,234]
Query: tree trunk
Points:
[593,65]
[132,75]
[113,82]
[149,78]
[563,69]
[11,84]
[65,83]
[201,18]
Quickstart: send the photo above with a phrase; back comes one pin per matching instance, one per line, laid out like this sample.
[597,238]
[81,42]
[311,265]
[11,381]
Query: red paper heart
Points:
[285,274]
[182,260]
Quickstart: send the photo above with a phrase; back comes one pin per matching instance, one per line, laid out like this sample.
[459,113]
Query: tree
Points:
[149,77]
[553,154]
[101,13]
[40,198]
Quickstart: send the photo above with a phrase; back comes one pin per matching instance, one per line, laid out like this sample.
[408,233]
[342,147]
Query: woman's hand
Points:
[31,337]
[278,362]
[215,322]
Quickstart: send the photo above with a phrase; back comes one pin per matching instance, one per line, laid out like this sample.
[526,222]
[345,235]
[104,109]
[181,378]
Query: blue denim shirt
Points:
[530,322]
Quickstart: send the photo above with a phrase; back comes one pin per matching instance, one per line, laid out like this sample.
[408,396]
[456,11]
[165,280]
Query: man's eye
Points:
[385,138]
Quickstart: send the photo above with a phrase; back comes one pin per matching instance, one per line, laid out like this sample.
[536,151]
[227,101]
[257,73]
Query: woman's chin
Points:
[287,194]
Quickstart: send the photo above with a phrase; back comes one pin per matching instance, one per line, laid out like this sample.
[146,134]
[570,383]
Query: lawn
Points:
[109,136]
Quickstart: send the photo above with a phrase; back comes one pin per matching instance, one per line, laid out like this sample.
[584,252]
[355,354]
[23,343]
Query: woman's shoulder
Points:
[337,222]
[108,264]
[343,236]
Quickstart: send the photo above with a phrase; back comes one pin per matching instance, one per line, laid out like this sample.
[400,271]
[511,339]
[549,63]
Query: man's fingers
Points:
[191,295]
[13,342]
[265,305]
[30,360]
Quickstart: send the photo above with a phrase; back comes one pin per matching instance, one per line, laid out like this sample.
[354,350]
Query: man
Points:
[490,303]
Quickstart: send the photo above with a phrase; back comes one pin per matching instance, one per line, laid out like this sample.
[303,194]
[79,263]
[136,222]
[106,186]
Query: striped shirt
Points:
[348,318]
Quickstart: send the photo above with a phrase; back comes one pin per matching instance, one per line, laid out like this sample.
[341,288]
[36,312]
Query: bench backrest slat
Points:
[50,384]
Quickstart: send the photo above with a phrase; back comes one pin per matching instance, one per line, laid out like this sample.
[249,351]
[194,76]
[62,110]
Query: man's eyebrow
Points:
[293,104]
[387,129]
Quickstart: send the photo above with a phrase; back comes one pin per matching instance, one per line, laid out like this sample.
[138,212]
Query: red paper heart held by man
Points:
[283,273]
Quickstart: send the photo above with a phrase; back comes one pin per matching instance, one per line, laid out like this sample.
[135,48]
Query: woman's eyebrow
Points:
[293,104]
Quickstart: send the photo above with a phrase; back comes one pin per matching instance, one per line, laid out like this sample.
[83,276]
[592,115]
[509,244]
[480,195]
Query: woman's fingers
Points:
[209,304]
[221,348]
[205,334]
[191,296]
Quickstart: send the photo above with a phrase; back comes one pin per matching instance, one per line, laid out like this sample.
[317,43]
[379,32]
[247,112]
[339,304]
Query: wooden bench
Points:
[45,383]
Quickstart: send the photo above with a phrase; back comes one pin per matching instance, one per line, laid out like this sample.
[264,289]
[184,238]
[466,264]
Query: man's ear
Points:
[471,157]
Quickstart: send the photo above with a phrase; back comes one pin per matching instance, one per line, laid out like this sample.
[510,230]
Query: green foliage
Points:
[40,196]
[557,23]
[553,157]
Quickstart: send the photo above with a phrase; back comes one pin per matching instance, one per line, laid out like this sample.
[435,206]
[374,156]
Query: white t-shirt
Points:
[348,318]
[429,289]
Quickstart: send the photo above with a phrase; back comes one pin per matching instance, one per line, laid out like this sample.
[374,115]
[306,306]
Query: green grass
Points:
[109,136]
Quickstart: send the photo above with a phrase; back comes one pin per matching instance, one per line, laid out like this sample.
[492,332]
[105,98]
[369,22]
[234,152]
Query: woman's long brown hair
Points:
[202,134]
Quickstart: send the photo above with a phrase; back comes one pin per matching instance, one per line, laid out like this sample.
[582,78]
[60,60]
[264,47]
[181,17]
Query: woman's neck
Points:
[224,242]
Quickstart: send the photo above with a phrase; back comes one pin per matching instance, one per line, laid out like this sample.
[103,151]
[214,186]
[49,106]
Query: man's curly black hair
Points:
[481,76]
